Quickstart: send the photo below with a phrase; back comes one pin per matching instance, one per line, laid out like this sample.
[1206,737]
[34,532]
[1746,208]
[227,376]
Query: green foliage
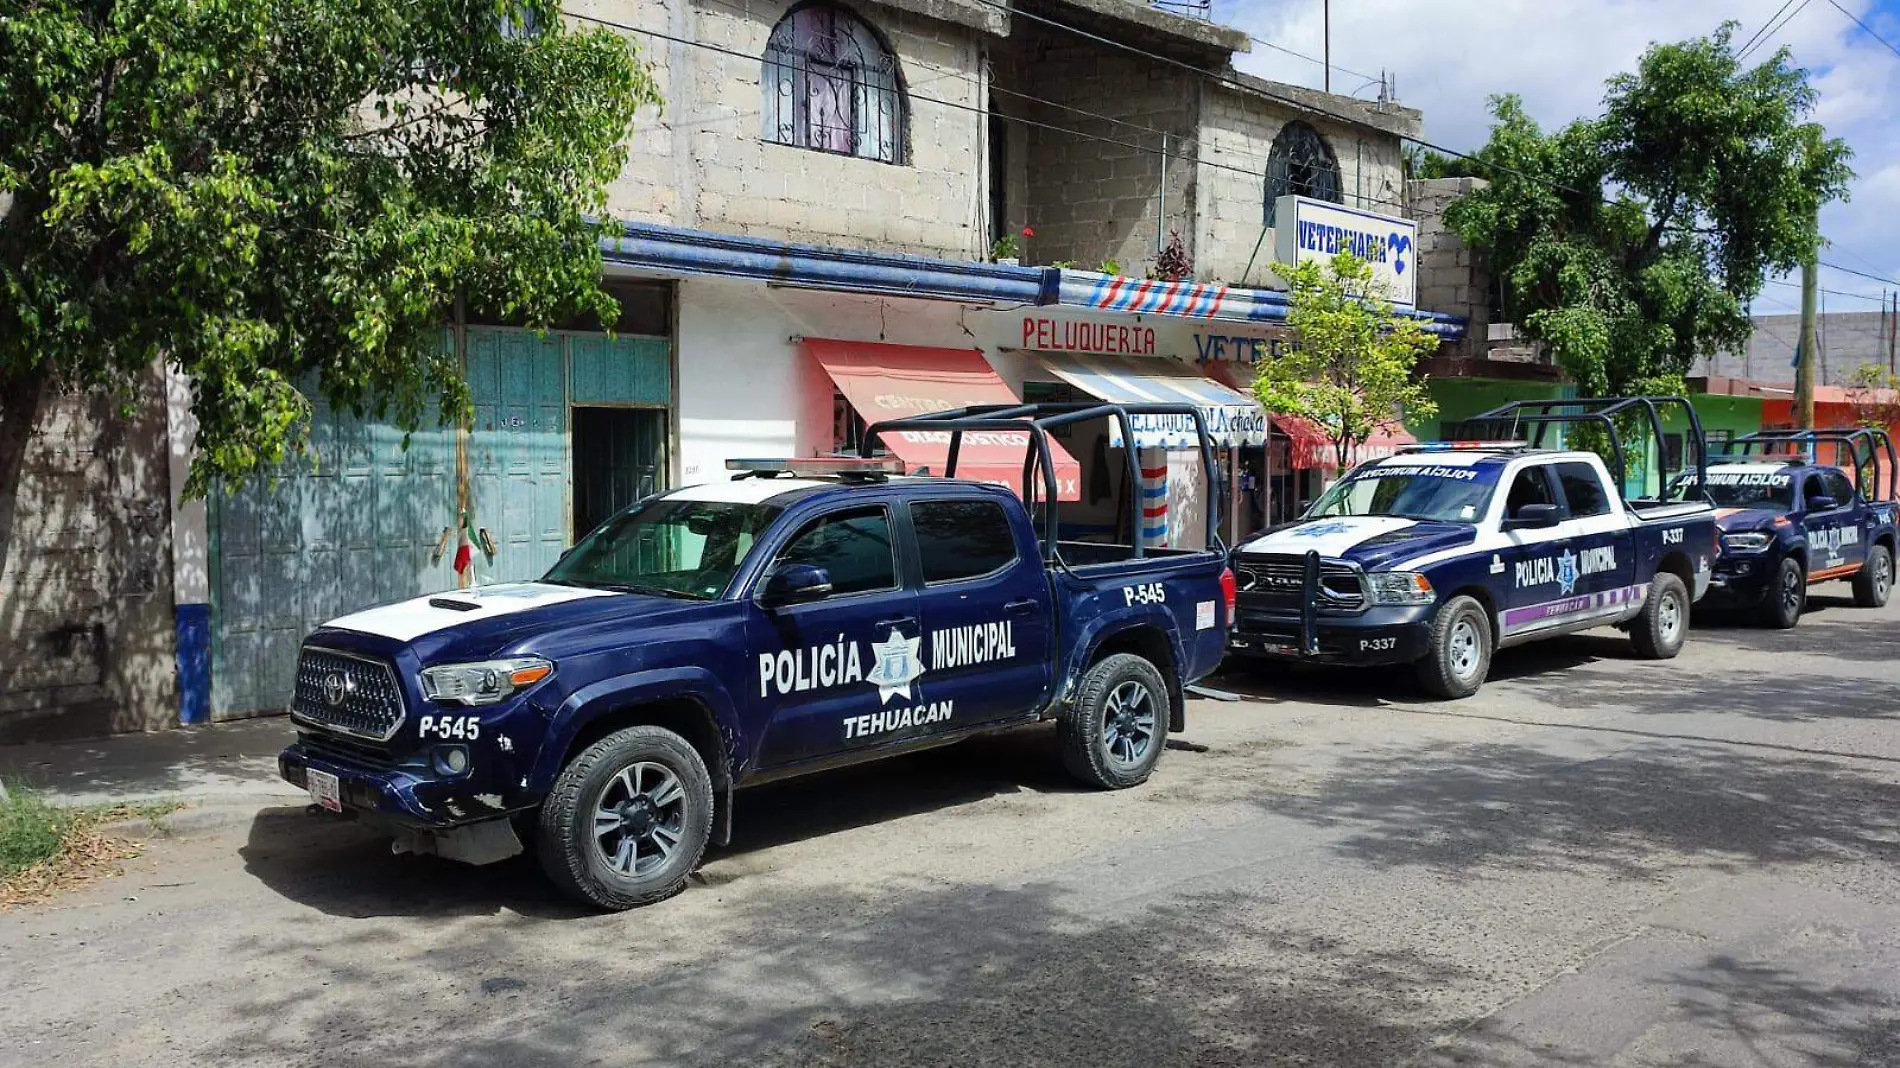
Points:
[1420,162]
[271,193]
[31,830]
[1631,243]
[1351,371]
[1110,267]
[1873,394]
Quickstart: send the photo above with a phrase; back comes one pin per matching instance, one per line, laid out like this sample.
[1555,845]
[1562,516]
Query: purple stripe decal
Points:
[1548,610]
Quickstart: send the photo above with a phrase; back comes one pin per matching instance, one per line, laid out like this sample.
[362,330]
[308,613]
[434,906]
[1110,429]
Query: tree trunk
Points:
[19,412]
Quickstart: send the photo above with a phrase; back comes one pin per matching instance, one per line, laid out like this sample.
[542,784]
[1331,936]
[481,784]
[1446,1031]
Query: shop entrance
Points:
[619,457]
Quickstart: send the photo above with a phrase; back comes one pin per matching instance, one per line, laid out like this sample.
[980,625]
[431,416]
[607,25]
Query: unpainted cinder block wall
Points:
[86,618]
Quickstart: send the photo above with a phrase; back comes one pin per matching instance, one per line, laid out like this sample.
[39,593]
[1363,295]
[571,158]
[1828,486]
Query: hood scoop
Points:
[453,605]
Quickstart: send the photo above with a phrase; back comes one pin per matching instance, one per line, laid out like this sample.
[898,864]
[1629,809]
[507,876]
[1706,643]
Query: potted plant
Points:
[1007,251]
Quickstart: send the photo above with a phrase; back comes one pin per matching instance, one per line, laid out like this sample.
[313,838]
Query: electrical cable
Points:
[1772,30]
[1864,26]
[1763,28]
[958,105]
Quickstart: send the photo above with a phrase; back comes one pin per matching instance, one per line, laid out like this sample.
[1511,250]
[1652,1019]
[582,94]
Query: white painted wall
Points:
[191,572]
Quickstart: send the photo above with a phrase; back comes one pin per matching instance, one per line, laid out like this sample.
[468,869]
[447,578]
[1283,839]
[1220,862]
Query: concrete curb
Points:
[200,818]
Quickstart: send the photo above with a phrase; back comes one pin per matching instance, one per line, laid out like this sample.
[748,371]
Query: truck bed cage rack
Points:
[1876,440]
[1036,420]
[1604,412]
[1501,447]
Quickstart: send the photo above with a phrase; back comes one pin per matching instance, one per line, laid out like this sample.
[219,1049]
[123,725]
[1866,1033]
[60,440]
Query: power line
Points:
[1829,292]
[1861,274]
[1234,83]
[1864,26]
[1771,30]
[960,106]
[1763,28]
[1320,62]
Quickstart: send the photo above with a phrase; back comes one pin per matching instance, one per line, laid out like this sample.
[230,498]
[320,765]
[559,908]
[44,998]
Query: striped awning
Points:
[1232,418]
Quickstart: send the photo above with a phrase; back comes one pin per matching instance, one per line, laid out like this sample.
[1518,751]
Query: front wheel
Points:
[1113,732]
[1459,650]
[1663,625]
[1787,595]
[627,820]
[1874,581]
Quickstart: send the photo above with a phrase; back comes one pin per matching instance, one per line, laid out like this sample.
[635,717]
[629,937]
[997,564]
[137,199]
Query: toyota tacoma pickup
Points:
[1444,553]
[1788,523]
[805,614]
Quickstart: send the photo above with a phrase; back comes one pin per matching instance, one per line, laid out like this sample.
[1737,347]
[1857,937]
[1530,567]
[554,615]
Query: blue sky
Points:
[1448,55]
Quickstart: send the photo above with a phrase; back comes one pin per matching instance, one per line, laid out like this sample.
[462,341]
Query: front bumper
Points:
[1740,581]
[410,794]
[1379,635]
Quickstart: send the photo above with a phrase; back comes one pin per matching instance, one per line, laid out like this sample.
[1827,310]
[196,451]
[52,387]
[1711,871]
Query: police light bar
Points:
[1449,446]
[820,465]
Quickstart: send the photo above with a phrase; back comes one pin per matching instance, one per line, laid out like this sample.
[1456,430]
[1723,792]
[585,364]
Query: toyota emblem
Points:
[335,688]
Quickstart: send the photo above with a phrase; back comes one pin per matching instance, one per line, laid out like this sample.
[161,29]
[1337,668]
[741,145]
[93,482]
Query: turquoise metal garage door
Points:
[359,521]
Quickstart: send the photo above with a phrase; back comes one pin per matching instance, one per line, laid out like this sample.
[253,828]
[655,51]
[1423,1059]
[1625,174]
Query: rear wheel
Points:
[1874,581]
[1663,625]
[1787,595]
[1113,732]
[627,820]
[1459,645]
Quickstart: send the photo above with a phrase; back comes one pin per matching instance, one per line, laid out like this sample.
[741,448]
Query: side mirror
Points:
[795,584]
[1822,504]
[1533,517]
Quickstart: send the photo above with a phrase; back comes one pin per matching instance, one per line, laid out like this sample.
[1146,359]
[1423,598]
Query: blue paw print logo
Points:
[1321,530]
[1400,244]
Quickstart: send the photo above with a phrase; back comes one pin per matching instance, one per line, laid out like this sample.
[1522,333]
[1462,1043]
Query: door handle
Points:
[1020,607]
[900,621]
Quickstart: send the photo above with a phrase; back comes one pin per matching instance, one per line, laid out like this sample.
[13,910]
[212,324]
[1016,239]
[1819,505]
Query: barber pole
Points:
[1154,498]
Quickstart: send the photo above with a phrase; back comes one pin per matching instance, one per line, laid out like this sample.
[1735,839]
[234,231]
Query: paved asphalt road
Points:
[1597,861]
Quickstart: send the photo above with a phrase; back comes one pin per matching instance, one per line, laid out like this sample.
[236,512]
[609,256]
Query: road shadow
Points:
[934,976]
[1477,810]
[1853,634]
[1782,696]
[345,869]
[183,761]
[1374,687]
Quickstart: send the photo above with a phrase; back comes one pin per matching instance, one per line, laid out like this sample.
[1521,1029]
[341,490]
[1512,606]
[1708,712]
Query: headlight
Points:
[1400,587]
[1746,543]
[484,683]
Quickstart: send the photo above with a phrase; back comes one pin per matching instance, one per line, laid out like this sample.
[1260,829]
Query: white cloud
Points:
[1448,56]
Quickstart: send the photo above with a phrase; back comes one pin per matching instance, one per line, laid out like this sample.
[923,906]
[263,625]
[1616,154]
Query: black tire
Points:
[1663,625]
[1113,733]
[1786,596]
[1458,650]
[575,857]
[1874,581]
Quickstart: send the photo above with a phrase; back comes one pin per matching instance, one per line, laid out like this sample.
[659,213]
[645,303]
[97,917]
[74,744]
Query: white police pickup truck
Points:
[1442,554]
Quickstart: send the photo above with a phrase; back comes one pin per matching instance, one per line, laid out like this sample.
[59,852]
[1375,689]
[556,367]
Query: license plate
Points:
[325,789]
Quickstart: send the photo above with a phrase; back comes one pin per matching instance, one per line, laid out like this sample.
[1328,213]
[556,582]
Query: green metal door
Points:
[518,451]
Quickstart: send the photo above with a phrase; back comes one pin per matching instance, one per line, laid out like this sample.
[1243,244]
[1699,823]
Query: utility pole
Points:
[1893,337]
[1806,355]
[1326,31]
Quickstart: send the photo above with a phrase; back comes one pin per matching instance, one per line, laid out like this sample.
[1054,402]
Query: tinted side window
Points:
[853,546]
[1529,487]
[962,539]
[1839,488]
[1811,487]
[1583,489]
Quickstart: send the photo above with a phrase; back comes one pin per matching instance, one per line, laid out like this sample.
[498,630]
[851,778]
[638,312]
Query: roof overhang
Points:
[1197,300]
[652,247]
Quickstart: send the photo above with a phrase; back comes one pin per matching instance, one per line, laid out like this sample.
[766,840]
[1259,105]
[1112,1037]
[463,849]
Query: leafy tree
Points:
[1632,243]
[1350,372]
[1873,395]
[275,193]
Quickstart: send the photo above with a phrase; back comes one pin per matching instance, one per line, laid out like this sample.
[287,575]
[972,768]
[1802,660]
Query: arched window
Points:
[830,84]
[1301,164]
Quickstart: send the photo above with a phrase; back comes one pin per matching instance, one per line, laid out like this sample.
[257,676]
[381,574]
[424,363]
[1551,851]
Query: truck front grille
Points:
[347,752]
[1275,581]
[348,694]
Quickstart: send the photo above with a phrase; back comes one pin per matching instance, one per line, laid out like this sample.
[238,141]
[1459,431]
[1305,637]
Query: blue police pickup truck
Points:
[801,616]
[1788,523]
[1440,555]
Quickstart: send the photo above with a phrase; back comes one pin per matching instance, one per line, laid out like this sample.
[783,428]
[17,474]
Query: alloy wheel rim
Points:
[1128,723]
[1883,575]
[1791,590]
[640,818]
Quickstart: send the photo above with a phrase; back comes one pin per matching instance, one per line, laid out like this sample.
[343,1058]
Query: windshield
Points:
[674,548]
[1751,489]
[1410,491]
